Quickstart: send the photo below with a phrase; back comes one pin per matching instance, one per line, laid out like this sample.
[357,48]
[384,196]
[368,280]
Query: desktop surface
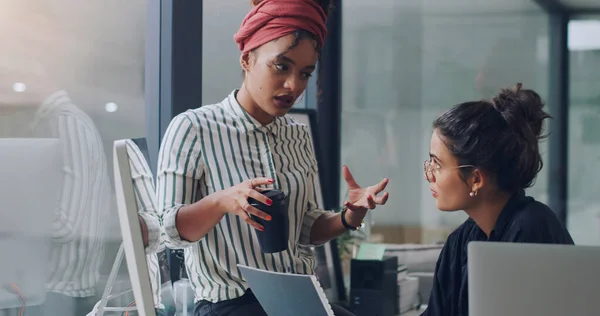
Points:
[532,279]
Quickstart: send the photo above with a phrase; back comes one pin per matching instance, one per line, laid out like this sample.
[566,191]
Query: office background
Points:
[389,67]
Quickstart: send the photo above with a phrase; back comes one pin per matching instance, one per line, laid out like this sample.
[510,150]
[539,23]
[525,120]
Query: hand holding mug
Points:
[234,200]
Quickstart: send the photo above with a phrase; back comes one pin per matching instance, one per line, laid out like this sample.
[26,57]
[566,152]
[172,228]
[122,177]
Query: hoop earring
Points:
[300,99]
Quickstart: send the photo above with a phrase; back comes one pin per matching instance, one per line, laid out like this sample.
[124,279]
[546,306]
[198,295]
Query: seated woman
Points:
[483,155]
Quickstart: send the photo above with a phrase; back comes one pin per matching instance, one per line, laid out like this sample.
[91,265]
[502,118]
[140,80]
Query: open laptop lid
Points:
[532,279]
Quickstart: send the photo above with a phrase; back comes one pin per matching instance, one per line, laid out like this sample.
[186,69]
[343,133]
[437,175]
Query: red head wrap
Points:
[272,19]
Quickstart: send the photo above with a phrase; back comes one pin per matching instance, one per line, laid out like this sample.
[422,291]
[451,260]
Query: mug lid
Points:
[274,195]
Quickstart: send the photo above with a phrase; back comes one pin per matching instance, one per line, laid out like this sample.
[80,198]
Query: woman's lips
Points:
[434,193]
[284,101]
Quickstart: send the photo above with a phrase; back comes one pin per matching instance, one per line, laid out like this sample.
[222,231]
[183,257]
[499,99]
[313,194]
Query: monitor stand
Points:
[100,308]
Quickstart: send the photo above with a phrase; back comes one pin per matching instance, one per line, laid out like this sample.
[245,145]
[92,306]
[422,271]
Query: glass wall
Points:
[73,71]
[221,70]
[406,62]
[584,132]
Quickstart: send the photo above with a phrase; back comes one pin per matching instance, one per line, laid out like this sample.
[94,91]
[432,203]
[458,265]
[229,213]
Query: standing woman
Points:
[215,157]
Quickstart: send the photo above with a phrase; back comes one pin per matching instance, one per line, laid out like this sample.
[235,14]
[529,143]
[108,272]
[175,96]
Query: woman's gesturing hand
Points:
[360,199]
[234,200]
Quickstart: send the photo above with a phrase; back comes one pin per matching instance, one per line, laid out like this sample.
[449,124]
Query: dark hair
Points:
[327,6]
[501,136]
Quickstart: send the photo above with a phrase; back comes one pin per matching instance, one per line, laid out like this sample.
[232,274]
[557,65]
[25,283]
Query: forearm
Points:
[328,227]
[194,221]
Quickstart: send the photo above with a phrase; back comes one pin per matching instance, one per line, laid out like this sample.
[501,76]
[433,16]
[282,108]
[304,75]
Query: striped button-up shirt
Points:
[214,147]
[78,245]
[143,187]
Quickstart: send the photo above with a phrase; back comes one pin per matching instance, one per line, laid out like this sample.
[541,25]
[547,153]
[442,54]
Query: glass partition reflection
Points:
[73,71]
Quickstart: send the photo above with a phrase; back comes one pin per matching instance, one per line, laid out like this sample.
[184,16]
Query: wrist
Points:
[213,202]
[350,220]
[353,220]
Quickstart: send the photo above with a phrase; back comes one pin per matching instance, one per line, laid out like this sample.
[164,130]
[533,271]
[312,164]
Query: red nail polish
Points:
[269,202]
[262,229]
[269,217]
[271,181]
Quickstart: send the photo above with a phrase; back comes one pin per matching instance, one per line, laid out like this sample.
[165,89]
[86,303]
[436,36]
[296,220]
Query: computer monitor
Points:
[135,253]
[30,188]
[508,279]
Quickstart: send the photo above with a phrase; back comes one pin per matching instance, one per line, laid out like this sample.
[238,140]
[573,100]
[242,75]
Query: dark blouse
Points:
[523,220]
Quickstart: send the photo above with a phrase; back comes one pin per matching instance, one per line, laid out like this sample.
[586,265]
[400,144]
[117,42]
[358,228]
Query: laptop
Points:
[281,293]
[510,279]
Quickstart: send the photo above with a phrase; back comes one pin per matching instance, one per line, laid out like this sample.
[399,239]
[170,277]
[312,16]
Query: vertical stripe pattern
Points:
[214,147]
[78,226]
[143,187]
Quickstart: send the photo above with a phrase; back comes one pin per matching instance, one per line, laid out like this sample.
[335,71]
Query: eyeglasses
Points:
[431,169]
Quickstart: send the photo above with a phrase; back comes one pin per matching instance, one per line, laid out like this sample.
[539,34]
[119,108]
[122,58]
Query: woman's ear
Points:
[478,179]
[245,61]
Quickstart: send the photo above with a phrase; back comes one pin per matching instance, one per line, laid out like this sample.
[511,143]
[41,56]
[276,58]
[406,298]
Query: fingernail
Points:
[369,197]
[271,180]
[262,229]
[269,202]
[269,217]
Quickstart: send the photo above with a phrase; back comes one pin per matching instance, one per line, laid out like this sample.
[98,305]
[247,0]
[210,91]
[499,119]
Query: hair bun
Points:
[522,109]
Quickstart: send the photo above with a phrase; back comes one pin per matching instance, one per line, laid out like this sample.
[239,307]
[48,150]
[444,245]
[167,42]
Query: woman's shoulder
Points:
[536,222]
[535,212]
[198,116]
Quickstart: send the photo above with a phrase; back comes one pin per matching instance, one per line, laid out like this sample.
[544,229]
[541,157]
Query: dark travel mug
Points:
[276,235]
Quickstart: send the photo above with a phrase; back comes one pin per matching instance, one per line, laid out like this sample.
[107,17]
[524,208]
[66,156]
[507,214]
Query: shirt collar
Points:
[514,204]
[246,119]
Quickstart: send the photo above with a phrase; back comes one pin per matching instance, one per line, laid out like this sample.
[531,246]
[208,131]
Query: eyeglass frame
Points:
[428,168]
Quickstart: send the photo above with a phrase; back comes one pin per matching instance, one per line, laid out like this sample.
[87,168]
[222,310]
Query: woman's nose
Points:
[292,83]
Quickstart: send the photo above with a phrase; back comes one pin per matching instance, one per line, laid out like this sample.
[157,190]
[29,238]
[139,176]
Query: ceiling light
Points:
[19,87]
[111,107]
